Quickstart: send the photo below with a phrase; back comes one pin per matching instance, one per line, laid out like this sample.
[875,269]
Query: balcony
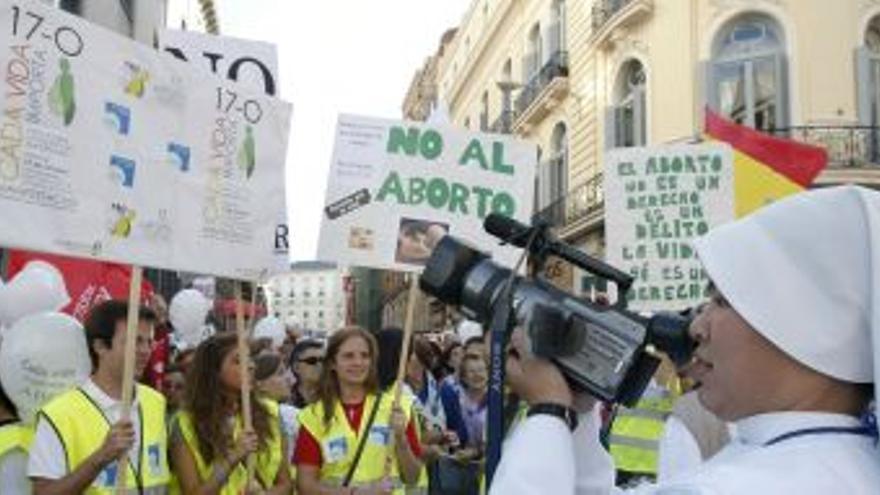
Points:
[853,151]
[610,15]
[542,93]
[578,208]
[499,124]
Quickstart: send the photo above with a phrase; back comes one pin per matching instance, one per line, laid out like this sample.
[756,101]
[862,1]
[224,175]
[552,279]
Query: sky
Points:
[336,56]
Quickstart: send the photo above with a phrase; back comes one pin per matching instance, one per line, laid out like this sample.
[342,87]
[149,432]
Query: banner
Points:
[656,201]
[396,187]
[87,282]
[111,150]
[253,64]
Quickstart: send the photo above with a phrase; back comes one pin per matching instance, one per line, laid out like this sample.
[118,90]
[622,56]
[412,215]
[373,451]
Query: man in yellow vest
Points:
[80,436]
[15,439]
[635,436]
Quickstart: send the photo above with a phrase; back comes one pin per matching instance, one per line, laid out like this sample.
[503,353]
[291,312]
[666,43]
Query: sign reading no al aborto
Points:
[111,150]
[395,188]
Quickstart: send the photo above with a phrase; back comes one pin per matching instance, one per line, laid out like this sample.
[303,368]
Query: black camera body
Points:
[599,348]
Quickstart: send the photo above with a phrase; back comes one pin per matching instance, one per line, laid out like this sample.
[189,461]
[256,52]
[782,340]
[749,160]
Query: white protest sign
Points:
[41,356]
[396,187]
[656,201]
[253,64]
[114,151]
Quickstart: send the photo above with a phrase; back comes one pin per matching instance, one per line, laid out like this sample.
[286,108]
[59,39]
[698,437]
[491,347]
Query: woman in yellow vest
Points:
[333,428]
[209,444]
[15,441]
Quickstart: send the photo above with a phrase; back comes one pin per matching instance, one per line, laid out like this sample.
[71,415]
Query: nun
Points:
[788,349]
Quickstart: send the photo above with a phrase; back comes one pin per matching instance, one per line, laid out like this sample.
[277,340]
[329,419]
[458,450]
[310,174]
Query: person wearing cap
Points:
[786,349]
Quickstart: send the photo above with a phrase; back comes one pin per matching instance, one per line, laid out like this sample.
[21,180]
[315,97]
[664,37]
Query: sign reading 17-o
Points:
[396,187]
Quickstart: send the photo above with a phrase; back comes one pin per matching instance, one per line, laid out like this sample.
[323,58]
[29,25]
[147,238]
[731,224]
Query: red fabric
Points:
[799,162]
[88,282]
[154,374]
[308,450]
[224,307]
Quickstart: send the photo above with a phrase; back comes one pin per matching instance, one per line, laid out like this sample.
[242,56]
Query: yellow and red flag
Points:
[766,167]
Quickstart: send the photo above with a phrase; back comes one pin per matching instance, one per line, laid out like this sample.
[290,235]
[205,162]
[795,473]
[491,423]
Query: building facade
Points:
[192,15]
[310,297]
[579,78]
[137,19]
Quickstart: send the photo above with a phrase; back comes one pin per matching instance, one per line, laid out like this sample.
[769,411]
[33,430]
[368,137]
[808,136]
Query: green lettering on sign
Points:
[474,151]
[392,186]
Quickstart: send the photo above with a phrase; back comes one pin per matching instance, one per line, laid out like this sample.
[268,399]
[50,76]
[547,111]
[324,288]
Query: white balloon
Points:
[272,328]
[37,288]
[187,313]
[41,356]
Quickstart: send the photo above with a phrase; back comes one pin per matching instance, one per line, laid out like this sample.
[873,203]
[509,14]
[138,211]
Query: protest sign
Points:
[111,150]
[253,64]
[656,201]
[396,187]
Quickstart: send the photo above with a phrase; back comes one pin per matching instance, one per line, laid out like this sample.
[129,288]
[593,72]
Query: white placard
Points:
[114,151]
[253,64]
[657,200]
[395,187]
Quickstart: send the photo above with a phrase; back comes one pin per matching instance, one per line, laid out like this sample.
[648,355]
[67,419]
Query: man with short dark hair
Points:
[80,435]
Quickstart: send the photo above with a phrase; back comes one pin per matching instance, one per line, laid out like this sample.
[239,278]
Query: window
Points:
[556,36]
[558,162]
[747,78]
[534,54]
[626,120]
[869,75]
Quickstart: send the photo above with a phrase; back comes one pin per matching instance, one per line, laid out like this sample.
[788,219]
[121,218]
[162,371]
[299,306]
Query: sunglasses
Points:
[311,361]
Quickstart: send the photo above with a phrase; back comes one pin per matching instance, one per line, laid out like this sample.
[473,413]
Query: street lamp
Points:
[507,87]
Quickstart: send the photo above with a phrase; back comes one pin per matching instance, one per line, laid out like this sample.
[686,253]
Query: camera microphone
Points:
[518,234]
[508,230]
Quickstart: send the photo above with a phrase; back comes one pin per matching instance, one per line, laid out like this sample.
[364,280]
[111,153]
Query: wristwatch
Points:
[564,413]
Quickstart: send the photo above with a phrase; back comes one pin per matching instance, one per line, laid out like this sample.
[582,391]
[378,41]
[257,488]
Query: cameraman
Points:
[784,350]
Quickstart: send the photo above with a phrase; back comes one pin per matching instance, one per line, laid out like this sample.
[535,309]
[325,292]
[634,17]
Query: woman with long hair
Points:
[209,444]
[274,381]
[346,435]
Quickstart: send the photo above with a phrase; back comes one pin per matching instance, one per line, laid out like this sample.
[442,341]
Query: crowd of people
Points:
[778,398]
[325,417]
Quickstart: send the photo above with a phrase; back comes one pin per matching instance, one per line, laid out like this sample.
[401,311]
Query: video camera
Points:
[599,348]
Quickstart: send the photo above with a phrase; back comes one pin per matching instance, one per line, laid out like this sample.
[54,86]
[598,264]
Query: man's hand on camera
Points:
[534,379]
[538,380]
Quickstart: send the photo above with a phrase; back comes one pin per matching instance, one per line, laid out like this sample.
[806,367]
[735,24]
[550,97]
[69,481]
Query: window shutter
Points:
[864,85]
[610,128]
[640,122]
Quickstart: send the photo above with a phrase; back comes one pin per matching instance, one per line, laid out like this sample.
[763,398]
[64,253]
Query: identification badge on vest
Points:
[337,449]
[154,460]
[380,434]
[107,478]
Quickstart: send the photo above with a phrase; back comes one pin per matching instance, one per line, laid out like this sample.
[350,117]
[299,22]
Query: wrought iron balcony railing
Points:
[604,10]
[576,205]
[847,146]
[556,66]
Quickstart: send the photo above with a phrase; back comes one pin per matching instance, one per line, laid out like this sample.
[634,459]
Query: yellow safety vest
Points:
[268,461]
[635,435]
[339,442]
[15,436]
[82,427]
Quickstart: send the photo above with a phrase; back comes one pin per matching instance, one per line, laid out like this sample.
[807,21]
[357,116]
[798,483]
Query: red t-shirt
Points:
[308,450]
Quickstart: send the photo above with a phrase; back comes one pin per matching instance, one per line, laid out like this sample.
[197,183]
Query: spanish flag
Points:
[766,167]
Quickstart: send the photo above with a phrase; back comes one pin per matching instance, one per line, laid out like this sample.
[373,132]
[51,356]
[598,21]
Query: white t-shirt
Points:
[47,452]
[289,426]
[13,473]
